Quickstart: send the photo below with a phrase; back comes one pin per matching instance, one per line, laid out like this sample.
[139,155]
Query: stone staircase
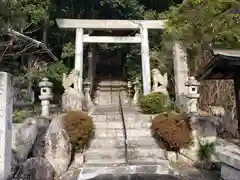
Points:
[108,92]
[142,148]
[108,146]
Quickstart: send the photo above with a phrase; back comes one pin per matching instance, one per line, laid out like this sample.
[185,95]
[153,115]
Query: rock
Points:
[14,164]
[204,130]
[24,138]
[71,101]
[15,127]
[35,169]
[38,149]
[71,174]
[58,147]
[77,160]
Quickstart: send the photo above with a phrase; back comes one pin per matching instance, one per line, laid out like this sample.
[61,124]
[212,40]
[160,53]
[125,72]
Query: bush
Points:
[79,128]
[205,151]
[154,103]
[172,131]
[20,115]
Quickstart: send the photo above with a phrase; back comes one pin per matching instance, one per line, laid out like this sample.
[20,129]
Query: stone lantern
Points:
[193,95]
[136,84]
[87,98]
[45,96]
[129,85]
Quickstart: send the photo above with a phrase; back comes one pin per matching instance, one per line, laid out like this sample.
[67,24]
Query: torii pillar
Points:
[146,72]
[79,57]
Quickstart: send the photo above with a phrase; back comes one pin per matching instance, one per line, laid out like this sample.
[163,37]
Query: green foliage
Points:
[79,127]
[133,65]
[202,26]
[20,115]
[154,103]
[204,22]
[172,131]
[35,11]
[8,16]
[68,50]
[53,72]
[205,151]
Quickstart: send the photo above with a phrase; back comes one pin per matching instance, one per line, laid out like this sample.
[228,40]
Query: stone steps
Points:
[146,161]
[116,133]
[119,124]
[133,154]
[119,162]
[163,167]
[103,162]
[143,142]
[115,116]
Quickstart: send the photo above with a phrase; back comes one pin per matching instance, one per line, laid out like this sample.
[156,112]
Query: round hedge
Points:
[172,131]
[79,127]
[154,103]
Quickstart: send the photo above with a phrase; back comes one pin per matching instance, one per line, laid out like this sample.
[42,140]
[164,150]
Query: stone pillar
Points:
[146,73]
[6,110]
[79,57]
[94,65]
[237,98]
[91,67]
[181,75]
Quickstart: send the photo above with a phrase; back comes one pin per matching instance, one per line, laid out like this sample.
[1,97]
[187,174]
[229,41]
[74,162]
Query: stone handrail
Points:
[124,129]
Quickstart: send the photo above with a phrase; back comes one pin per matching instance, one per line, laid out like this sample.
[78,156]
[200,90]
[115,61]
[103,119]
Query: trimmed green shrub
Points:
[79,127]
[172,131]
[154,103]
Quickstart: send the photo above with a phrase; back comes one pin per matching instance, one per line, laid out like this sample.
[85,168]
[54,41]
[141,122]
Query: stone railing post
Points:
[192,85]
[6,111]
[136,91]
[87,98]
[45,96]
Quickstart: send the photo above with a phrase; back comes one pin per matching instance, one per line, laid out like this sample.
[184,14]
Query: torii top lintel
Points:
[110,24]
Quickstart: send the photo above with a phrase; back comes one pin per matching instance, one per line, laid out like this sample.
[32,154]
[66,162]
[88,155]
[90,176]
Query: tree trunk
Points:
[45,28]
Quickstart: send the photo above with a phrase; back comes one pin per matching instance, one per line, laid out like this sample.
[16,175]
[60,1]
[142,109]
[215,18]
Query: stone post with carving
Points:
[136,91]
[192,84]
[181,71]
[45,96]
[6,110]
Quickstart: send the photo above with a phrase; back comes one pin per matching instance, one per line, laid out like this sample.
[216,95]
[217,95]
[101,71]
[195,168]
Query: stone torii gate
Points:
[180,61]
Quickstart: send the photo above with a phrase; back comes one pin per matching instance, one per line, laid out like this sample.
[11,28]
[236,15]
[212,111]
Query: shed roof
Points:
[224,65]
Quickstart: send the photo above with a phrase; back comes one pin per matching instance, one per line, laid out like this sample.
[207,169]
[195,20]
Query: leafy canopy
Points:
[202,22]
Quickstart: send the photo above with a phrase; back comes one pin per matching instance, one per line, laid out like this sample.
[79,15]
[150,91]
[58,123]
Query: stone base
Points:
[229,156]
[71,101]
[229,173]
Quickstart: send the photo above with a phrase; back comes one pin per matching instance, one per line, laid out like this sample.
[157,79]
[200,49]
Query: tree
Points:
[203,25]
